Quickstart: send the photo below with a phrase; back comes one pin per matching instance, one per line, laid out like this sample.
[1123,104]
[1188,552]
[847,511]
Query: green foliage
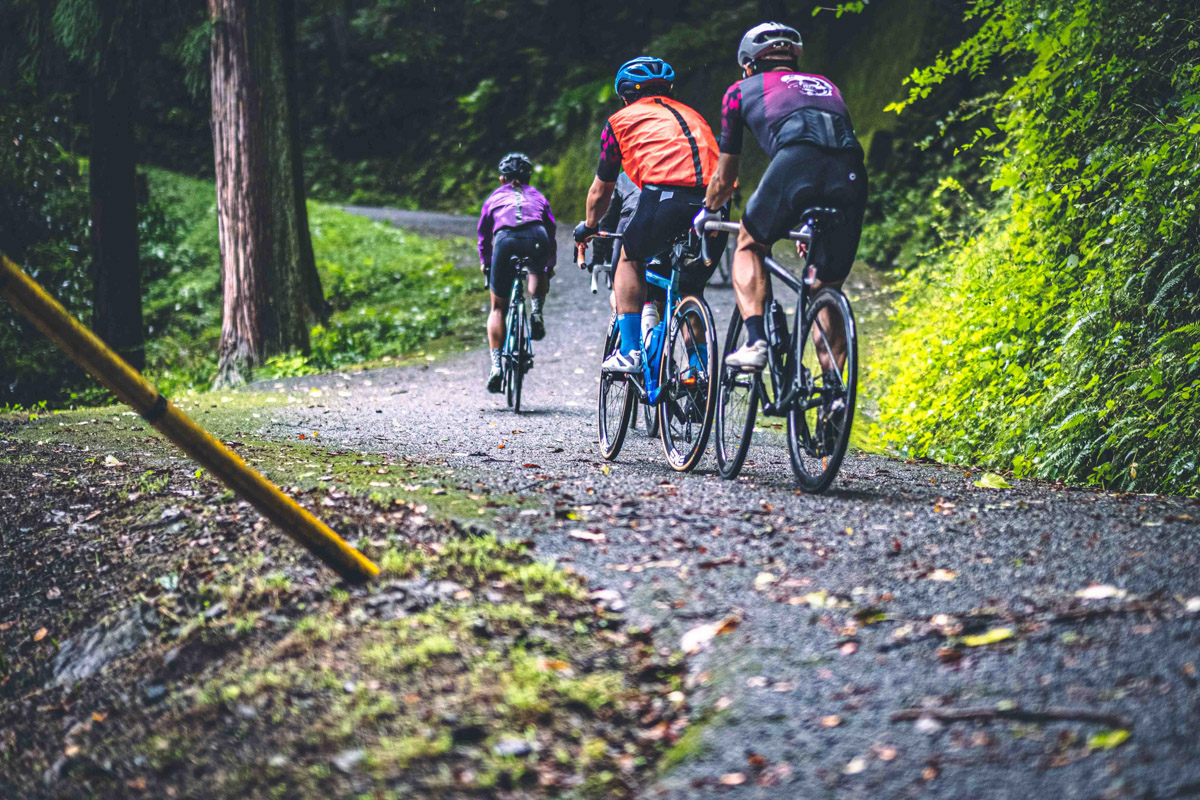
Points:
[1057,336]
[391,291]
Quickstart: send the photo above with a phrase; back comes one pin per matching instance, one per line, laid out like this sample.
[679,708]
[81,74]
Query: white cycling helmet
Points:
[770,39]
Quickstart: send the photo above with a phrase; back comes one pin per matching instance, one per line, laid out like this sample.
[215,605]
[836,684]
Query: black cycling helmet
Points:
[516,165]
[643,74]
[772,41]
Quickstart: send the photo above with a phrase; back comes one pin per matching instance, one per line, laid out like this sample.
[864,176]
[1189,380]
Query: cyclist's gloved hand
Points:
[583,232]
[704,216]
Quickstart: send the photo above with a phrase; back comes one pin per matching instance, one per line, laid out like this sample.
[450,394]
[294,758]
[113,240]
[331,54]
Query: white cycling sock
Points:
[495,358]
[537,304]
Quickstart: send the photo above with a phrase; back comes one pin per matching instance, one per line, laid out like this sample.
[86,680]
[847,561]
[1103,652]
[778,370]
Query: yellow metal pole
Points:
[89,352]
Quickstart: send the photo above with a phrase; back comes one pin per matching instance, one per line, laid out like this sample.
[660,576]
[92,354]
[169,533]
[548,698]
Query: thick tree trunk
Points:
[117,291]
[271,291]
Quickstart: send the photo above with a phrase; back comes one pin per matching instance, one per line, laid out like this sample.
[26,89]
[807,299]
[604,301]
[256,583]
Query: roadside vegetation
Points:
[392,292]
[1048,323]
[177,646]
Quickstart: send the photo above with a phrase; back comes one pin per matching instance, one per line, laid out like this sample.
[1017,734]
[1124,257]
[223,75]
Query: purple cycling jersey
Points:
[514,206]
[783,108]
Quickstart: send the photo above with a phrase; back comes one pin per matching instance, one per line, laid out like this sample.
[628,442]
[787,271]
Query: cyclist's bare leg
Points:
[629,285]
[750,281]
[495,323]
[538,285]
[829,334]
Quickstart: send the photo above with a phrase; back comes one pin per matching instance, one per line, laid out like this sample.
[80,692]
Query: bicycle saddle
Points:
[823,217]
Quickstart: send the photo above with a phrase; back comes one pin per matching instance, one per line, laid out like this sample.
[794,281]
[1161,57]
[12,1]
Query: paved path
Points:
[850,605]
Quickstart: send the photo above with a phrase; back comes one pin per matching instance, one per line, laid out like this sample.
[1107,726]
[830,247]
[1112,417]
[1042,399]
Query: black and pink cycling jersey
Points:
[785,108]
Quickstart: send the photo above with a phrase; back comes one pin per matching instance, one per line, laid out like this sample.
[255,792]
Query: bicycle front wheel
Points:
[737,405]
[687,375]
[616,400]
[819,421]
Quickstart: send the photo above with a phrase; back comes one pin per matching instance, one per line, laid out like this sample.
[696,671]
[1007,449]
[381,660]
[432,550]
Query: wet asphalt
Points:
[849,606]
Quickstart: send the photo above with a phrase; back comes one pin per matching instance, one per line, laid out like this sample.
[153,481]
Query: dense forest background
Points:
[1037,190]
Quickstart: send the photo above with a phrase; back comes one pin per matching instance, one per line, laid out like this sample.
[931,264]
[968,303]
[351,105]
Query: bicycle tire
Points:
[611,440]
[682,405]
[522,337]
[733,435]
[508,357]
[808,442]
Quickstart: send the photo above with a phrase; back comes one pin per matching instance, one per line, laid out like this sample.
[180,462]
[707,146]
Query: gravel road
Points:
[850,606]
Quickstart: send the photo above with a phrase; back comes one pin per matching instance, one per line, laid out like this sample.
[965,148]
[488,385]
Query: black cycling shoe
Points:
[537,327]
[495,382]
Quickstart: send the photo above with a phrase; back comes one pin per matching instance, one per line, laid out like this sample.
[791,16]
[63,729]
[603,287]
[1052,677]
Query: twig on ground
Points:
[1024,715]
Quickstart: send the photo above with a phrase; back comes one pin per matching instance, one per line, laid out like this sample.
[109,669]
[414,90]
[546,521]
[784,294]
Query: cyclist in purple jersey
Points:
[515,221]
[801,121]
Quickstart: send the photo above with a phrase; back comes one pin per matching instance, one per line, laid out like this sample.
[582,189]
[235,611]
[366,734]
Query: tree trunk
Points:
[117,291]
[270,287]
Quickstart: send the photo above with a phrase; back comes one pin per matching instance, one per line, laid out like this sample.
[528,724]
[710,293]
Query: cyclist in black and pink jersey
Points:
[802,123]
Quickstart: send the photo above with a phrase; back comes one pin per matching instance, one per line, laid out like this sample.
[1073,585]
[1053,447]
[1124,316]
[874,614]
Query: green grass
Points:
[392,292]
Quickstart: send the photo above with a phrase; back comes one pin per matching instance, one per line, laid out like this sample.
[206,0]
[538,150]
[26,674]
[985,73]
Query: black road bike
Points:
[804,380]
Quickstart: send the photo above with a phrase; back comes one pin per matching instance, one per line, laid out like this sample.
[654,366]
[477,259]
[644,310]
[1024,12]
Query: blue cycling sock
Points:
[756,329]
[631,332]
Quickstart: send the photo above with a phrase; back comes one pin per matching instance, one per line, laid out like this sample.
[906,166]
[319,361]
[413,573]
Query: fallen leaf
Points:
[112,461]
[71,750]
[856,765]
[763,580]
[585,536]
[1192,605]
[949,655]
[41,634]
[53,593]
[848,649]
[99,716]
[929,773]
[695,639]
[1100,591]
[831,721]
[462,594]
[756,682]
[991,480]
[775,774]
[552,665]
[531,466]
[1107,740]
[722,703]
[756,760]
[887,753]
[989,637]
[732,779]
[942,575]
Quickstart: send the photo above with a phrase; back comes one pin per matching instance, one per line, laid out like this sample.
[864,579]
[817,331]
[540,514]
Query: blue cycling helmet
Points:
[642,72]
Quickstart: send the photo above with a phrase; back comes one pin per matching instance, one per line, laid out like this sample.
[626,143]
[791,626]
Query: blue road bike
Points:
[677,377]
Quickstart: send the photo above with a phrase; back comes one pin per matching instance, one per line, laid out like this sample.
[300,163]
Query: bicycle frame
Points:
[516,305]
[785,373]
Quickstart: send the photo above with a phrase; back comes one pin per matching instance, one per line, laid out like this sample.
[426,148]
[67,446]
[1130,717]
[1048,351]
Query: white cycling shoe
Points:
[749,357]
[619,362]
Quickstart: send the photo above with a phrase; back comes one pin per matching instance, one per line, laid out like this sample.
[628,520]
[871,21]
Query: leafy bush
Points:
[1059,335]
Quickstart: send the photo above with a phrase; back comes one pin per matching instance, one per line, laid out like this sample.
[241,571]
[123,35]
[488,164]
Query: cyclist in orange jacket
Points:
[668,150]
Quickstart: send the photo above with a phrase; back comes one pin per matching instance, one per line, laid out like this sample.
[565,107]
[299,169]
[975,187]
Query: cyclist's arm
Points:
[607,171]
[598,199]
[484,229]
[723,183]
[551,227]
[724,180]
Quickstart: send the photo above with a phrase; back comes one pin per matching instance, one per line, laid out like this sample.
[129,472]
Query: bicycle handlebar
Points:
[581,248]
[801,234]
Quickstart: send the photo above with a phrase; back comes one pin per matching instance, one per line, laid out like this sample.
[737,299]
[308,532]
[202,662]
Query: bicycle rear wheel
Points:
[820,420]
[688,379]
[737,405]
[509,356]
[614,406]
[520,360]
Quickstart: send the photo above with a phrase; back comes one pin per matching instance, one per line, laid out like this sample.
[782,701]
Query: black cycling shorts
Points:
[530,240]
[663,213]
[799,177]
